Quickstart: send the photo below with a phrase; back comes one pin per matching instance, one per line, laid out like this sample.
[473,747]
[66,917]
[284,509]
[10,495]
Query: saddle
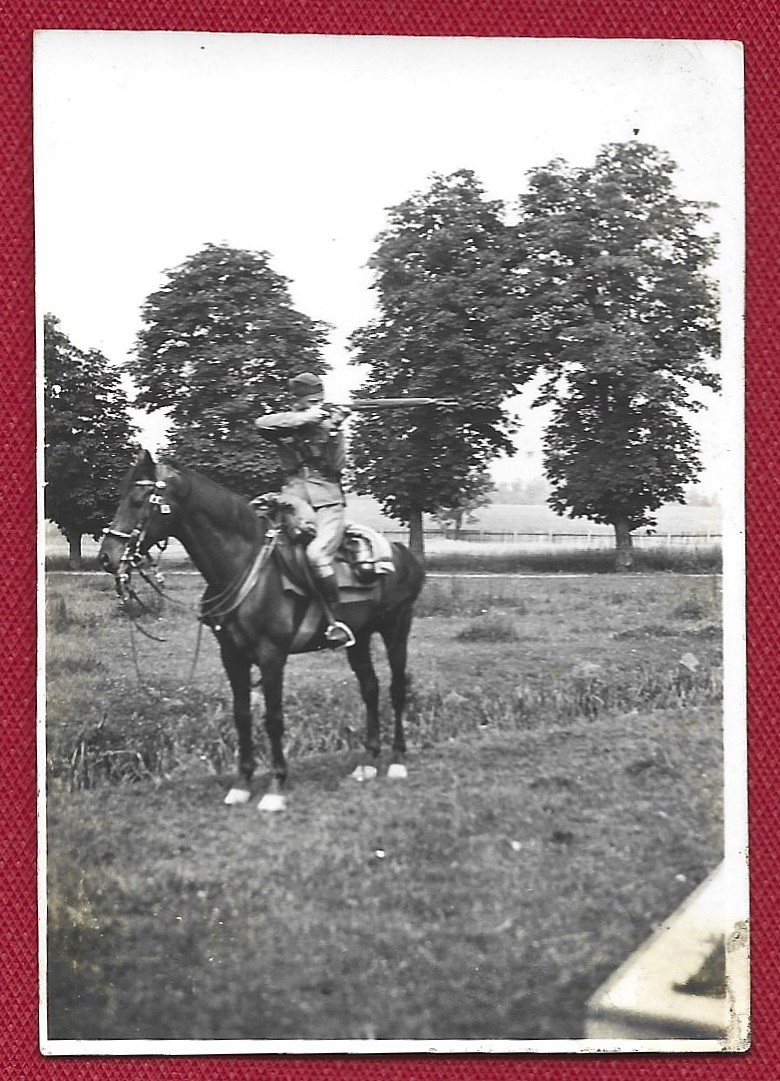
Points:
[364,555]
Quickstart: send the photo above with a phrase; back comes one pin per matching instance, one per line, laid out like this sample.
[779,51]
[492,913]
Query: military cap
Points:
[305,384]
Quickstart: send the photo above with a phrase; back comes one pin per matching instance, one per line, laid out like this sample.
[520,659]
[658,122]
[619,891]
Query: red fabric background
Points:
[752,21]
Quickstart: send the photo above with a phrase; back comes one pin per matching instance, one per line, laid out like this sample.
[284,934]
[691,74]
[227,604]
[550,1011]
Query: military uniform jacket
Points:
[312,455]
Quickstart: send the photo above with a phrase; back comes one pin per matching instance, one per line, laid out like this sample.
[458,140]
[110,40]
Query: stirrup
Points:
[338,634]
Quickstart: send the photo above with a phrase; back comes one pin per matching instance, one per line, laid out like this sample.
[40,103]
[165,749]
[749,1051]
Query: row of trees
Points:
[596,289]
[88,437]
[219,340]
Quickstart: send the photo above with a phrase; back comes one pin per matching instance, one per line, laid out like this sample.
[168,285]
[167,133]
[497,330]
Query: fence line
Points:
[507,541]
[552,538]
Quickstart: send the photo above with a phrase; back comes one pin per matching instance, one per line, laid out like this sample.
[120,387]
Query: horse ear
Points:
[145,464]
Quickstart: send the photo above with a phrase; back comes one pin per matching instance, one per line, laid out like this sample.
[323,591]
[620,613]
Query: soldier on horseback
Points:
[311,446]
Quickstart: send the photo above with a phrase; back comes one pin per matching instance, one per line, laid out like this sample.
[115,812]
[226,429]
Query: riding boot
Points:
[338,634]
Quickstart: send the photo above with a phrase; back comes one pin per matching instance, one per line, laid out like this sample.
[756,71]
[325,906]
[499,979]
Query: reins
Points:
[212,611]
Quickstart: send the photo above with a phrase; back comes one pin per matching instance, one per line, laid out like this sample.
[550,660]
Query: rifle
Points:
[368,405]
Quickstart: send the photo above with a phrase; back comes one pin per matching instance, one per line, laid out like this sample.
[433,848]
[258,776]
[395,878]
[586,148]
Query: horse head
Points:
[145,516]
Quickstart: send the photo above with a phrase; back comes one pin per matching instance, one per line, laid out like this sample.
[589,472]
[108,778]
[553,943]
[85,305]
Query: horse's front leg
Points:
[238,667]
[359,657]
[272,661]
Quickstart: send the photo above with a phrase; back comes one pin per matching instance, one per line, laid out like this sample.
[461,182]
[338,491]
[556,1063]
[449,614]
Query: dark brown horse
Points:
[255,617]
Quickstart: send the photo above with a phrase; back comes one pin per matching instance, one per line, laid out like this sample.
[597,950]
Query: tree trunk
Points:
[74,550]
[624,545]
[416,534]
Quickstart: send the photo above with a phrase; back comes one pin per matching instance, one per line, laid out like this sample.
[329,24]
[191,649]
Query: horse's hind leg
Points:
[396,637]
[359,657]
[237,667]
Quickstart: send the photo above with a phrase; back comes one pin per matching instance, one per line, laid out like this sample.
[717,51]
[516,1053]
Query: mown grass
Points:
[564,796]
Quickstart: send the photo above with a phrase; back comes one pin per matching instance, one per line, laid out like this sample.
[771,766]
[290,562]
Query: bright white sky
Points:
[150,145]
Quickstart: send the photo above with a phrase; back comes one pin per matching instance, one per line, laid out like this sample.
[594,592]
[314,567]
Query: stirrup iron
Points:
[335,631]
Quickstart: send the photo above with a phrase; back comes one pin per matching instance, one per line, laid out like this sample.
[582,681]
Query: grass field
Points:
[564,796]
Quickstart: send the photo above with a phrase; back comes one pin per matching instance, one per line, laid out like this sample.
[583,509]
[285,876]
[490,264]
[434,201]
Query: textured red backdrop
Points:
[755,24]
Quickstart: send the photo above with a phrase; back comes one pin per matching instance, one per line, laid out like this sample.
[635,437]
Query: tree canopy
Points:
[88,437]
[619,315]
[220,339]
[445,327]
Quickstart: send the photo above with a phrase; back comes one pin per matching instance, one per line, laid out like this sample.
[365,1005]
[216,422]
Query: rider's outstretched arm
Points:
[280,422]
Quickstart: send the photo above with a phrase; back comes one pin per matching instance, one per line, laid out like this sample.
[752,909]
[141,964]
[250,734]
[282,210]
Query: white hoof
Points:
[272,801]
[397,771]
[363,773]
[237,795]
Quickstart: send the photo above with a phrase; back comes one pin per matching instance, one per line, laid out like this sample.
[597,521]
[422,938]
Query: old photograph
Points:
[391,544]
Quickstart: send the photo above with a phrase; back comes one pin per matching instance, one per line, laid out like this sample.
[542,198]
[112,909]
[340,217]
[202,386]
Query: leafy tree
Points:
[445,328]
[88,440]
[476,495]
[622,320]
[220,340]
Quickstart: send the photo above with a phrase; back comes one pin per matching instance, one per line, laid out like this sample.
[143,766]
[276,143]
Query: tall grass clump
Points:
[586,693]
[165,730]
[142,735]
[573,561]
[185,731]
[72,613]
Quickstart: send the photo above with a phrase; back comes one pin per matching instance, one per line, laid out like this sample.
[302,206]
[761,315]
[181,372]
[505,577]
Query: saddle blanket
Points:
[350,588]
[374,549]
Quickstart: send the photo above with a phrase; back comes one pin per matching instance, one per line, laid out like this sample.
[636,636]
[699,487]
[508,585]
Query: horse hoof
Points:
[397,771]
[363,773]
[272,801]
[237,795]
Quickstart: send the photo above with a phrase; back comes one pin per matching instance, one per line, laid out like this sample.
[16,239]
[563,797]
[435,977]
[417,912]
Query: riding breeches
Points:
[331,522]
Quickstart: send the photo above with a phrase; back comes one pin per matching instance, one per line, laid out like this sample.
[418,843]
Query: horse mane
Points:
[230,508]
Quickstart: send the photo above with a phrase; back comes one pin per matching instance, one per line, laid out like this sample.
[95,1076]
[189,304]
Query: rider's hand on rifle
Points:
[337,414]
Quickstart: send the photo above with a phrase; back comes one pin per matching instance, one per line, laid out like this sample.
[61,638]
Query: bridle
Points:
[215,609]
[134,553]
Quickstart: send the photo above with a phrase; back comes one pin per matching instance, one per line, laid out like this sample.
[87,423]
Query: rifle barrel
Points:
[366,405]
